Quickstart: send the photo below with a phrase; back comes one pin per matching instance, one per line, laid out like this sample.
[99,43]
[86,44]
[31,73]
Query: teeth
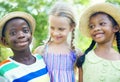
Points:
[98,35]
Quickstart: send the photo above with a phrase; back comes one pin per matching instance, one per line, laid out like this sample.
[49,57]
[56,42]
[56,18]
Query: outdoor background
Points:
[39,10]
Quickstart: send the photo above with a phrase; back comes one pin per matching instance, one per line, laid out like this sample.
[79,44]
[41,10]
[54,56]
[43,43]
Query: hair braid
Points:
[81,59]
[118,40]
[72,39]
[45,44]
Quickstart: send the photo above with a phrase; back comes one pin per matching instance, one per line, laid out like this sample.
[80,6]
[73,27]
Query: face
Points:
[18,34]
[59,28]
[101,28]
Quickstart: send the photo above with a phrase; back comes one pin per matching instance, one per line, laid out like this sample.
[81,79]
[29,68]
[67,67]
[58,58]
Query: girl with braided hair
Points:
[57,53]
[101,62]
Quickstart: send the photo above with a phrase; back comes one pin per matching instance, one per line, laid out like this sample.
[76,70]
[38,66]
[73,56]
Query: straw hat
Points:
[11,15]
[108,8]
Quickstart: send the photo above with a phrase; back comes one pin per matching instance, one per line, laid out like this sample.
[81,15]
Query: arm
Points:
[80,77]
[78,52]
[39,50]
[80,72]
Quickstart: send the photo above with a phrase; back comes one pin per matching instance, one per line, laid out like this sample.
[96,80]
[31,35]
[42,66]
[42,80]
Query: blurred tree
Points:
[39,10]
[114,1]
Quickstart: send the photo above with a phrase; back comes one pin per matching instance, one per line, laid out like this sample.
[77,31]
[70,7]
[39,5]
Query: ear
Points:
[3,40]
[116,28]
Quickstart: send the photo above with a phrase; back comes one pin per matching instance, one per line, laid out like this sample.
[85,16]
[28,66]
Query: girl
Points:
[101,63]
[58,54]
[16,30]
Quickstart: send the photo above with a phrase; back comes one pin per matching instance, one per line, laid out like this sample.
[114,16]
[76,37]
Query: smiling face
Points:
[17,34]
[101,28]
[59,28]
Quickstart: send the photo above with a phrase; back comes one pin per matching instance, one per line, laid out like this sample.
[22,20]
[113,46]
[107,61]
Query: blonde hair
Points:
[64,9]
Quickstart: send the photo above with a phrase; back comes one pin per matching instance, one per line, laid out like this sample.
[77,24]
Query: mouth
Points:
[98,35]
[59,37]
[22,43]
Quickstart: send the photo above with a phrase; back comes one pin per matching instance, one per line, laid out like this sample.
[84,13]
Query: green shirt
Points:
[97,69]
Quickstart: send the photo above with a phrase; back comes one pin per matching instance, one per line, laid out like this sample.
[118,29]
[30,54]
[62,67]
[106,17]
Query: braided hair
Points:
[81,59]
[118,40]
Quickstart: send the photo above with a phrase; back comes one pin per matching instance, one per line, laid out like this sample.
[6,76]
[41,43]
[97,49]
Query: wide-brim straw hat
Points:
[29,18]
[107,8]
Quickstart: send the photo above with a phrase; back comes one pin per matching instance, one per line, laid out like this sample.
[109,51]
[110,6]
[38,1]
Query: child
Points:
[101,63]
[58,54]
[16,30]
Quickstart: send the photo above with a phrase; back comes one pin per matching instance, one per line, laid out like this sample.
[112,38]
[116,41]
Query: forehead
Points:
[16,20]
[15,24]
[99,16]
[58,20]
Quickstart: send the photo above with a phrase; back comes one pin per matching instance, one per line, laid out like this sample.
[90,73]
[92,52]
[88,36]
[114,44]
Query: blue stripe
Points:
[32,75]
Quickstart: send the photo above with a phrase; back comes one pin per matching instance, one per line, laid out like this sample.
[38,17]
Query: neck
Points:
[105,47]
[58,44]
[22,53]
[24,56]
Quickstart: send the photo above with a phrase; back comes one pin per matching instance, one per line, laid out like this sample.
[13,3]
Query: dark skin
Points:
[18,37]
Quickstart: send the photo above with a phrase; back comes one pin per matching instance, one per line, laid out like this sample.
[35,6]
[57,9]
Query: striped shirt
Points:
[18,72]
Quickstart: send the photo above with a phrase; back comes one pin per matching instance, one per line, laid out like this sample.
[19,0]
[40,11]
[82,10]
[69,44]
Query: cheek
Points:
[90,31]
[50,32]
[9,38]
[66,33]
[29,36]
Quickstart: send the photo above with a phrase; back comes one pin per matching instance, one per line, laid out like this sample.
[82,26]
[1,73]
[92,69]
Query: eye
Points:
[61,29]
[102,23]
[91,26]
[12,33]
[52,28]
[26,29]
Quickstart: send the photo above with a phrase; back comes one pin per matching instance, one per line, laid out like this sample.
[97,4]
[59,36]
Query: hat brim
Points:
[11,15]
[107,8]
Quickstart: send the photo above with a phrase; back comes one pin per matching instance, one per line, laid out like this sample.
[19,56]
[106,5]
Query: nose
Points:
[20,35]
[97,28]
[56,33]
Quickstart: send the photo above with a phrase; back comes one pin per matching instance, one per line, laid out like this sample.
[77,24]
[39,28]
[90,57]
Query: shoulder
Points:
[4,62]
[78,52]
[39,49]
[7,65]
[38,56]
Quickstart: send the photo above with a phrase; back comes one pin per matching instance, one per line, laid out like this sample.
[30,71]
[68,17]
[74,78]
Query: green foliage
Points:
[41,29]
[39,10]
[82,41]
[114,1]
[4,53]
[85,2]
